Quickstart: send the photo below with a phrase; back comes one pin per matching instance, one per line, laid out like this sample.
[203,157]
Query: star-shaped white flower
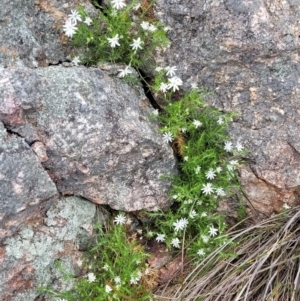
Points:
[286,206]
[205,238]
[74,17]
[163,87]
[88,21]
[168,137]
[152,28]
[160,238]
[69,28]
[175,242]
[218,169]
[207,188]
[186,158]
[75,61]
[201,252]
[197,170]
[114,41]
[108,289]
[118,4]
[194,86]
[145,25]
[197,123]
[124,72]
[137,44]
[239,146]
[155,112]
[171,71]
[120,219]
[212,231]
[192,214]
[220,121]
[220,191]
[91,277]
[211,174]
[117,280]
[174,83]
[228,146]
[180,224]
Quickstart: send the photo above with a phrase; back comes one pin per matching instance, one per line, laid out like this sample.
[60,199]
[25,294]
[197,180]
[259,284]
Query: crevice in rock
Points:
[145,81]
[56,64]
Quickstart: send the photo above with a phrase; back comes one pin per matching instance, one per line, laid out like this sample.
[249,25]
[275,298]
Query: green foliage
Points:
[200,134]
[94,38]
[115,270]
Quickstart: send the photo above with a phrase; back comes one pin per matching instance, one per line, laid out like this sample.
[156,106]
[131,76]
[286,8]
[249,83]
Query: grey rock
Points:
[24,184]
[29,259]
[31,31]
[247,53]
[96,133]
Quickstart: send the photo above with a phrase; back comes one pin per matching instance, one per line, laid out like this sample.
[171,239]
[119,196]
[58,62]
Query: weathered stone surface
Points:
[247,53]
[98,139]
[31,31]
[29,259]
[25,187]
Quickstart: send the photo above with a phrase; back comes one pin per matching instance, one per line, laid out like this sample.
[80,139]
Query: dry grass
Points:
[264,266]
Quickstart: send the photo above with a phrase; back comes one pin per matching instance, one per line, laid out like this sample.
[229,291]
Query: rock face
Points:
[247,53]
[92,134]
[29,259]
[31,31]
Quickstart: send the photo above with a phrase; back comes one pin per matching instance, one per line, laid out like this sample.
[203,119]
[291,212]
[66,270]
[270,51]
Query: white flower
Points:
[69,28]
[155,112]
[183,130]
[74,17]
[117,280]
[139,231]
[136,44]
[213,231]
[150,234]
[201,252]
[163,87]
[192,214]
[203,214]
[180,224]
[232,165]
[194,86]
[197,123]
[88,21]
[124,72]
[120,219]
[113,42]
[137,6]
[211,174]
[75,61]
[91,277]
[108,289]
[145,25]
[174,82]
[168,137]
[128,221]
[207,188]
[228,146]
[205,238]
[239,146]
[187,202]
[59,299]
[118,4]
[220,121]
[160,238]
[175,196]
[175,242]
[220,191]
[106,267]
[286,206]
[167,28]
[134,279]
[79,262]
[186,158]
[197,169]
[218,169]
[171,71]
[158,69]
[152,28]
